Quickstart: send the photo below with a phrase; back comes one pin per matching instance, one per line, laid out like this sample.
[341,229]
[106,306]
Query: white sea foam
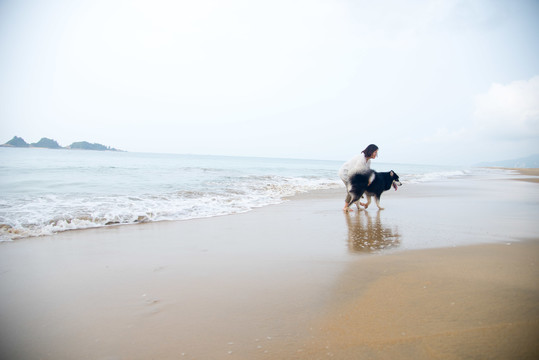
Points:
[48,214]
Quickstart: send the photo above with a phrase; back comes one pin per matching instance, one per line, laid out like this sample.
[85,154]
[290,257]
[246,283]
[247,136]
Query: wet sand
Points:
[447,271]
[475,302]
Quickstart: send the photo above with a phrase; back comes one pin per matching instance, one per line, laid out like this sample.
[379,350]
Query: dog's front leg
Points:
[377,199]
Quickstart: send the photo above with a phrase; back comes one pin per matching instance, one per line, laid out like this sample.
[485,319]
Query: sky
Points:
[449,82]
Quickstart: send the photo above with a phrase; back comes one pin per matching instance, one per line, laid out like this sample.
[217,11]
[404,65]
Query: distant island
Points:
[53,144]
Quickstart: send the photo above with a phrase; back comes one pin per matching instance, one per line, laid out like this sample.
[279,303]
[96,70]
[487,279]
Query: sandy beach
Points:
[447,271]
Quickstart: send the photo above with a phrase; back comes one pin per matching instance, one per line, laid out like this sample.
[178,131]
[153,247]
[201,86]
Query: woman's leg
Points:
[348,198]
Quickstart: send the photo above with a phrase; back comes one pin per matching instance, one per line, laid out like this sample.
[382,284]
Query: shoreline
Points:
[452,264]
[531,173]
[522,171]
[528,175]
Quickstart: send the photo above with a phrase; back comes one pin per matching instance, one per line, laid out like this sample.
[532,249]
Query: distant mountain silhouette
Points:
[16,142]
[46,143]
[85,145]
[52,144]
[531,161]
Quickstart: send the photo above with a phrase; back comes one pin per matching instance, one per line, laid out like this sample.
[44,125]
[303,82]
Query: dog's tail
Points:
[360,181]
[371,178]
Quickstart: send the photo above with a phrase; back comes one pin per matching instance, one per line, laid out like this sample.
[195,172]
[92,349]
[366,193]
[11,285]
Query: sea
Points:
[45,191]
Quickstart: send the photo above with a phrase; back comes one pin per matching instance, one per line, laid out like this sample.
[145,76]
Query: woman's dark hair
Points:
[369,150]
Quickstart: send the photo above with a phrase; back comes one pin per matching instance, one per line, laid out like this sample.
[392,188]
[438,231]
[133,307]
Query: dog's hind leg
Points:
[355,197]
[366,205]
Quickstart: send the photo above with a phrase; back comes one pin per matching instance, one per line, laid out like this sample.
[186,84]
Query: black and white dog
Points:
[359,185]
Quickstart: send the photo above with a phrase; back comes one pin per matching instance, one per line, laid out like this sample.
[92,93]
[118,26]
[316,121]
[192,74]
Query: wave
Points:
[433,176]
[49,214]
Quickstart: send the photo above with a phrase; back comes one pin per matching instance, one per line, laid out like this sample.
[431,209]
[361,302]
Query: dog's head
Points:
[396,183]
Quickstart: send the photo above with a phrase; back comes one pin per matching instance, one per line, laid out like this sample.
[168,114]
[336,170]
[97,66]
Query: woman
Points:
[358,164]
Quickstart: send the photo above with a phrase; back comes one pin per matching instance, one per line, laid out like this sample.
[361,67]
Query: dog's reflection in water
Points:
[366,233]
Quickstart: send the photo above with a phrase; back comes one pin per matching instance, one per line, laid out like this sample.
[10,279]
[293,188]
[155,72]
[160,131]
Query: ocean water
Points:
[46,191]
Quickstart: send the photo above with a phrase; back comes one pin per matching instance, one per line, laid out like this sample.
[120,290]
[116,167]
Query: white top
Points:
[357,164]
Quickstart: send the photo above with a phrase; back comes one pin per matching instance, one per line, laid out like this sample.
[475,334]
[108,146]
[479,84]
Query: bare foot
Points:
[364,205]
[347,209]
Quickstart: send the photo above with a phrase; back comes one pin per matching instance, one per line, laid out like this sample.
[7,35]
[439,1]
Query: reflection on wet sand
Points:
[366,233]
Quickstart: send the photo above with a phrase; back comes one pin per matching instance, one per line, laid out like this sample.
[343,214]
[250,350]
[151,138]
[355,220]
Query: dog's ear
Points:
[392,173]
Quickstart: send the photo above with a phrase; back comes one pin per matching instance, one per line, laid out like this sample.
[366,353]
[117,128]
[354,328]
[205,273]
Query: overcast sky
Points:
[429,82]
